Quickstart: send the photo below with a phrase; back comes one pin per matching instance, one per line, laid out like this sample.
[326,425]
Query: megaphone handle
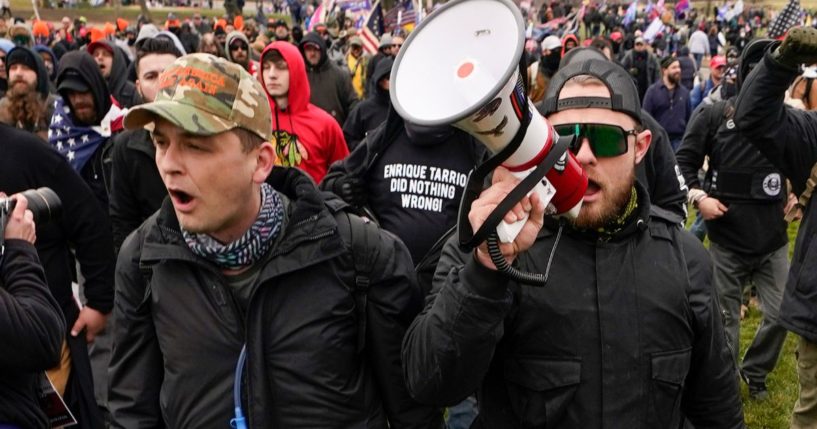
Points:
[469,239]
[507,232]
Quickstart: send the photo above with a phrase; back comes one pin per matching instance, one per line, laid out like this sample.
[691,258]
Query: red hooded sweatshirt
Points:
[306,136]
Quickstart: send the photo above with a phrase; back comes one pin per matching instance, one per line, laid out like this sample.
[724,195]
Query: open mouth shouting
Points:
[182,201]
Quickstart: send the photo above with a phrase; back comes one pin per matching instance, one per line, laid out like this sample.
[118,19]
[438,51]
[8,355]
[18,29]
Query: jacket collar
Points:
[310,235]
[639,221]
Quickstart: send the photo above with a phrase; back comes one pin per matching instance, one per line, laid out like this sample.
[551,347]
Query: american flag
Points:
[400,15]
[373,29]
[79,143]
[788,18]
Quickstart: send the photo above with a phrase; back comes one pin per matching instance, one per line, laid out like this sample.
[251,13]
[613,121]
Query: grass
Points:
[775,412]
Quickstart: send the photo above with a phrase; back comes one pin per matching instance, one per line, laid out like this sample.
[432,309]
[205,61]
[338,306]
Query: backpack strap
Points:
[802,202]
[363,237]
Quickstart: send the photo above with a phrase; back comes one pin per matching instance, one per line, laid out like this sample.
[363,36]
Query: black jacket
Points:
[330,86]
[31,328]
[177,340]
[788,138]
[372,111]
[26,162]
[614,339]
[740,177]
[137,190]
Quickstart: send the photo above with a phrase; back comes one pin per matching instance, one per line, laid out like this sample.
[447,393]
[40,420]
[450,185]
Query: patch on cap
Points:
[207,95]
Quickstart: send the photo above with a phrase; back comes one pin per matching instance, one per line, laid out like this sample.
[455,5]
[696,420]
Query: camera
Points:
[43,203]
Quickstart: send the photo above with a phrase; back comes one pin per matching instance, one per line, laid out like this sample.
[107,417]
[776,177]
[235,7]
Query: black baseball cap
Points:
[72,81]
[623,92]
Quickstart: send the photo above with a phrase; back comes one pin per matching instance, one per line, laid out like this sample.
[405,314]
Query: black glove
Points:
[352,190]
[799,47]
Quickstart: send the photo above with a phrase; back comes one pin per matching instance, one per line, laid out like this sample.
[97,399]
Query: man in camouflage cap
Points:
[249,267]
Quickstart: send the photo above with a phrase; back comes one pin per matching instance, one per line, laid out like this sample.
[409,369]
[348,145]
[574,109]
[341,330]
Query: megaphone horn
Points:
[461,66]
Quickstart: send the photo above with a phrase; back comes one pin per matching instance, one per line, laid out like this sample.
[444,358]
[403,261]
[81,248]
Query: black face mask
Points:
[550,62]
[428,134]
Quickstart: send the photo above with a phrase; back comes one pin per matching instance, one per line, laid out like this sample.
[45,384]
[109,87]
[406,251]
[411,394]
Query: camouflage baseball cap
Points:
[207,95]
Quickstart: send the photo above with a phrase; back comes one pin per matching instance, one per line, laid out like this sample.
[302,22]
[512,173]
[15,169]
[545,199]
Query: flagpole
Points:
[36,10]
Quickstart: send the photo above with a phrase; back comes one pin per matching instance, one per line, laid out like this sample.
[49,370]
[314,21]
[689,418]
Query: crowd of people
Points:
[251,232]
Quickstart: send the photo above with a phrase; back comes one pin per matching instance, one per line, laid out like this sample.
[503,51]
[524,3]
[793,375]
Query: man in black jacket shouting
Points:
[248,269]
[627,331]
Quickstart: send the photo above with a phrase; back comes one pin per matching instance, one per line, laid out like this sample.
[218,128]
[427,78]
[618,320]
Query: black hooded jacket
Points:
[123,90]
[372,111]
[331,87]
[81,64]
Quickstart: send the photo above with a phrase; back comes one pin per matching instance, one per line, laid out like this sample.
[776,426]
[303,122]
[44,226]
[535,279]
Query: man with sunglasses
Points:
[626,332]
[237,50]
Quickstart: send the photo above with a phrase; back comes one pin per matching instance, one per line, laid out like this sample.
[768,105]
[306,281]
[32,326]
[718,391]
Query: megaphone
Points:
[461,66]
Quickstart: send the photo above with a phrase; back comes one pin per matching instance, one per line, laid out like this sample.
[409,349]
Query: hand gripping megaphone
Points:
[463,66]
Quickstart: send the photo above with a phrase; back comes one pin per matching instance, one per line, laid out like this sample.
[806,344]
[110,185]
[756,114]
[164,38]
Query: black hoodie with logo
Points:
[330,85]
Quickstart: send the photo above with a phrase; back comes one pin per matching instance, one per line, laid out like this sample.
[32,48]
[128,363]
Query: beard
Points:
[26,107]
[608,209]
[674,78]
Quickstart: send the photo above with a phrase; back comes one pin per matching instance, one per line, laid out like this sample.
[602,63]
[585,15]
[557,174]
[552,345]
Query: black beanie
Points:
[21,56]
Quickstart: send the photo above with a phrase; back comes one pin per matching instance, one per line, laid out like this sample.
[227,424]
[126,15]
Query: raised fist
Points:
[799,47]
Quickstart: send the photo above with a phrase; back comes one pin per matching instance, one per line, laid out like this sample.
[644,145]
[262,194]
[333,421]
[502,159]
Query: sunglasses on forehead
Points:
[606,141]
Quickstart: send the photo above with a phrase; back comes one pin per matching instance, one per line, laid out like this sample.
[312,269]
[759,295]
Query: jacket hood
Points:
[299,92]
[314,37]
[568,38]
[230,37]
[42,72]
[81,64]
[40,49]
[173,38]
[381,70]
[119,67]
